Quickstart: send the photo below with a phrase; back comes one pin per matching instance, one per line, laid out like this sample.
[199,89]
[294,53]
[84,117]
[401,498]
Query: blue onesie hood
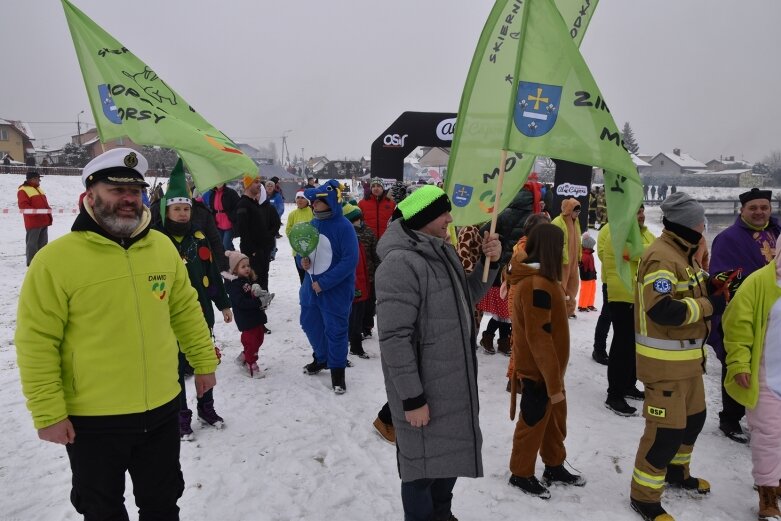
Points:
[331,192]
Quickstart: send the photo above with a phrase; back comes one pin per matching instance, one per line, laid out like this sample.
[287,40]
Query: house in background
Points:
[728,162]
[91,141]
[16,140]
[675,163]
[316,164]
[642,166]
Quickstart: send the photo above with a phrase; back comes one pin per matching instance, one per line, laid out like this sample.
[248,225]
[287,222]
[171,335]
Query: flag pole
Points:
[495,211]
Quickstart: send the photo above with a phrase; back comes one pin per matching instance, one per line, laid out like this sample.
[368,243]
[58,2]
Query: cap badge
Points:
[131,160]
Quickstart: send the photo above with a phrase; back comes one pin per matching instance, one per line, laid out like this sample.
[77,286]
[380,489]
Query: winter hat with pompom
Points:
[234,258]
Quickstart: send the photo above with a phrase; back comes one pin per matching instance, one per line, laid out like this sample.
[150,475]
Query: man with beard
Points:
[100,312]
[257,223]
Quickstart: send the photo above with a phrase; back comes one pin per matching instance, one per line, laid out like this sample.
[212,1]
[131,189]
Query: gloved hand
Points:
[725,283]
[257,290]
[719,303]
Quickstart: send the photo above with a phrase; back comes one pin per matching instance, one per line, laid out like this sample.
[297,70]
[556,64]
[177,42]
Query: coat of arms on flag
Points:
[536,108]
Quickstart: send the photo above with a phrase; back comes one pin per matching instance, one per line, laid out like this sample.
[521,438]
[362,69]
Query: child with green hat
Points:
[204,273]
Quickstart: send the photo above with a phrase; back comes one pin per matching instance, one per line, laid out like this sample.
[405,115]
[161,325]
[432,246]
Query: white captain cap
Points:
[118,166]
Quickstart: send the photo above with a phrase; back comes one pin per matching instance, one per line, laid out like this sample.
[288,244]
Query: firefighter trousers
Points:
[674,412]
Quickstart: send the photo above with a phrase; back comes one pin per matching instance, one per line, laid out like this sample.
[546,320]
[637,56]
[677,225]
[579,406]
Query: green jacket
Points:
[98,324]
[616,291]
[745,324]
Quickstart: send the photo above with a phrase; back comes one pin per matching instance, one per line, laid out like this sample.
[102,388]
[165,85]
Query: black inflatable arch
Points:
[409,131]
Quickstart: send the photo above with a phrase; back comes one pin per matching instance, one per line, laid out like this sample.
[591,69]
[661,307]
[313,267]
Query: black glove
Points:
[719,303]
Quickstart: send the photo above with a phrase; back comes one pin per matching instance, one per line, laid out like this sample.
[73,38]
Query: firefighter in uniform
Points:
[672,315]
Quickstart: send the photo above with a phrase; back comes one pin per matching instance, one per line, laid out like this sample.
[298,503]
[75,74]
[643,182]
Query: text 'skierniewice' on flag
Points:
[129,99]
[487,100]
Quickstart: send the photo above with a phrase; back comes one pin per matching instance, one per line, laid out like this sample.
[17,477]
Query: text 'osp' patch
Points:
[657,412]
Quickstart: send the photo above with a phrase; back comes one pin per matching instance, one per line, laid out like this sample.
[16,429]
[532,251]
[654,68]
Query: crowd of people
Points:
[393,255]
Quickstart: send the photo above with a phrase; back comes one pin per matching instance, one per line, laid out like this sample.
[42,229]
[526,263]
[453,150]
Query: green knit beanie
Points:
[423,206]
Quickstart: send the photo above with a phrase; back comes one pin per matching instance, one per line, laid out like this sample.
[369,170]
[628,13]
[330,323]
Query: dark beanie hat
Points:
[423,206]
[755,193]
[681,209]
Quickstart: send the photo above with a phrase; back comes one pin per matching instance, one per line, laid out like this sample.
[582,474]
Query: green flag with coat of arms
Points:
[128,99]
[555,109]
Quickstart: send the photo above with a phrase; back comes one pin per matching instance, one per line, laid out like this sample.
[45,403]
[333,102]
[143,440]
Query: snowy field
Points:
[292,450]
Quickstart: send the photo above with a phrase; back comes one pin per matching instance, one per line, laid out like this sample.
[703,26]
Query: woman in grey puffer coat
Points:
[427,339]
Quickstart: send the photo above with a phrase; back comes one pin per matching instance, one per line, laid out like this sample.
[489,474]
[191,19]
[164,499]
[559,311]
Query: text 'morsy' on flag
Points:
[485,106]
[560,112]
[129,99]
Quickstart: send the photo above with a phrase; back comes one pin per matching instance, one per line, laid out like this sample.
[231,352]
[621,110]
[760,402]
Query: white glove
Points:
[257,290]
[265,299]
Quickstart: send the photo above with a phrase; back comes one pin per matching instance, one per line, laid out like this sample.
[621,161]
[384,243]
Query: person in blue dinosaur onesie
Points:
[327,292]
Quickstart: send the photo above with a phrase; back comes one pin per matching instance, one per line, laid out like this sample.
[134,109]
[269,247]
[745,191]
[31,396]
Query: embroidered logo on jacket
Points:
[663,286]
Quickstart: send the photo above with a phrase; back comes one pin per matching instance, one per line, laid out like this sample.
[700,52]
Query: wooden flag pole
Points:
[494,217]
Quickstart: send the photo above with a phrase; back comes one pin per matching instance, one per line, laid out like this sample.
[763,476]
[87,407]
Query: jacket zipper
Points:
[141,330]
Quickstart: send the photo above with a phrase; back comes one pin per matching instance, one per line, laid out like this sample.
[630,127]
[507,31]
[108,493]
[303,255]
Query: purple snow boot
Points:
[185,431]
[207,415]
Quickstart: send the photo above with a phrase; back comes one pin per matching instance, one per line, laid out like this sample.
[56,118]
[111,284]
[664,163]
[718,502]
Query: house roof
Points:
[683,160]
[21,126]
[637,161]
[735,171]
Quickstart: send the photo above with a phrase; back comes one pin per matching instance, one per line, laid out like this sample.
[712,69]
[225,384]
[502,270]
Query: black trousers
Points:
[621,365]
[427,499]
[146,445]
[355,329]
[731,411]
[371,309]
[385,415]
[603,324]
[260,265]
[207,397]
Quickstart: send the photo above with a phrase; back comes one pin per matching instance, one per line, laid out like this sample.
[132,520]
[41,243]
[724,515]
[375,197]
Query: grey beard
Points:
[121,227]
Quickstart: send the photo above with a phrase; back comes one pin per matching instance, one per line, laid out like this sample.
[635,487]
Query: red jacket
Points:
[377,213]
[32,198]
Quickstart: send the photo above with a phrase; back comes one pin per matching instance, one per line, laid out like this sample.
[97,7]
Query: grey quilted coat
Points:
[424,310]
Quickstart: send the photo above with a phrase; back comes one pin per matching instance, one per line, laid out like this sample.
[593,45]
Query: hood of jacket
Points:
[569,204]
[519,269]
[330,192]
[399,237]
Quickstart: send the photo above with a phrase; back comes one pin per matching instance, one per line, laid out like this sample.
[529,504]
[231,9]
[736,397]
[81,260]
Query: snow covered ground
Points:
[291,449]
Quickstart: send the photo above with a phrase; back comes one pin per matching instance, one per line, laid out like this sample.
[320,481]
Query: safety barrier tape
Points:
[39,210]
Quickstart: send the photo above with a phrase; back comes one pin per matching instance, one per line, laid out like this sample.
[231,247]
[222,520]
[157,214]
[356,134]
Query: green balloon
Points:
[303,238]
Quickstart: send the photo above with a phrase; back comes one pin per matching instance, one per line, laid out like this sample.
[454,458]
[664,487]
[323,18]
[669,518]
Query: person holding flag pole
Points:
[529,85]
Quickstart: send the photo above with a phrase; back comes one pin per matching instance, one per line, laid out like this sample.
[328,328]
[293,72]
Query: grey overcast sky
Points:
[700,75]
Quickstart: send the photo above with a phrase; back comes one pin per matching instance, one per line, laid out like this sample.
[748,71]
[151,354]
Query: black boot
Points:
[314,367]
[487,341]
[530,486]
[650,511]
[618,405]
[337,380]
[357,349]
[559,474]
[599,356]
[675,479]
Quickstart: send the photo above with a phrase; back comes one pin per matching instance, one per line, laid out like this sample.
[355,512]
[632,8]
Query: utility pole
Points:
[78,126]
[284,153]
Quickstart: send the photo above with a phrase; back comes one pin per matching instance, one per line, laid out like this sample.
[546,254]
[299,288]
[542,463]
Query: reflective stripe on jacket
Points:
[672,311]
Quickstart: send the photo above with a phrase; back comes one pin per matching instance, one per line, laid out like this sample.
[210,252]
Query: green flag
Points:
[560,112]
[483,114]
[554,108]
[129,99]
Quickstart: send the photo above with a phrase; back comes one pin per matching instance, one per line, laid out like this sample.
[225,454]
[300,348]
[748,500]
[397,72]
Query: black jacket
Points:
[246,307]
[230,198]
[202,219]
[257,224]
